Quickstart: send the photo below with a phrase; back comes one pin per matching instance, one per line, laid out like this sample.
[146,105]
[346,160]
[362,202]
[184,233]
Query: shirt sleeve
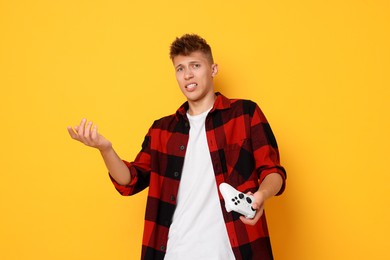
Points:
[265,148]
[140,170]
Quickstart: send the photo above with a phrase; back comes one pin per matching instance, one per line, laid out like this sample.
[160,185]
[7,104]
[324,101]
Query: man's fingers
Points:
[86,133]
[81,127]
[87,130]
[255,205]
[94,132]
[248,221]
[253,221]
[72,133]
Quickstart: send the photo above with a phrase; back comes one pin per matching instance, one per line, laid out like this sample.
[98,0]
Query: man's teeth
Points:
[192,85]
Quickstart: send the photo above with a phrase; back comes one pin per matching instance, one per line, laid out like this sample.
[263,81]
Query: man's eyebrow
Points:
[191,62]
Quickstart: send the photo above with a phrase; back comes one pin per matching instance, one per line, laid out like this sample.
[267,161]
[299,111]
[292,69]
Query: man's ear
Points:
[214,70]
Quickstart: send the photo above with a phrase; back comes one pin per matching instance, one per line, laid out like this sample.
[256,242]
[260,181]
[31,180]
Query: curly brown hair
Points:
[189,43]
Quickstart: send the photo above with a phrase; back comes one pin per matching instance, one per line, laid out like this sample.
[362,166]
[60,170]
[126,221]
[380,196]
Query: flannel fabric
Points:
[243,150]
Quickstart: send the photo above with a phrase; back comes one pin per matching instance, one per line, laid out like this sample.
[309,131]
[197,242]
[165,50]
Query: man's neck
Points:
[198,107]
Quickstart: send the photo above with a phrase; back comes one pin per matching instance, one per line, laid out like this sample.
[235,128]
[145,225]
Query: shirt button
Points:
[186,124]
[176,174]
[162,248]
[182,147]
[172,198]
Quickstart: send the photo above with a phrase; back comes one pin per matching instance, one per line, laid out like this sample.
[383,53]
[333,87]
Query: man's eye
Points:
[179,69]
[196,66]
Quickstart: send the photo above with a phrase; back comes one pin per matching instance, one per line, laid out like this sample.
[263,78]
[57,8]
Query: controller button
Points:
[241,195]
[248,200]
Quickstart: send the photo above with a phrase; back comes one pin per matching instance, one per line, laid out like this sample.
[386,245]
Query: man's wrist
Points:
[264,193]
[106,149]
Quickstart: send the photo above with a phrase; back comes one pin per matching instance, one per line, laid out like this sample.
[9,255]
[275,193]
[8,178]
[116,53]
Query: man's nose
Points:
[188,74]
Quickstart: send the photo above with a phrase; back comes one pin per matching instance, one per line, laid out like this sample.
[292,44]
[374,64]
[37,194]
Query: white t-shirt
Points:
[198,230]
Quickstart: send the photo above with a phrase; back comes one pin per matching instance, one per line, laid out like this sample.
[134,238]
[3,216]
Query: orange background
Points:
[318,69]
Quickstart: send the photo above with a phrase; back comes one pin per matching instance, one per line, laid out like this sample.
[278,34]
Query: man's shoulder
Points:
[242,102]
[164,121]
[246,105]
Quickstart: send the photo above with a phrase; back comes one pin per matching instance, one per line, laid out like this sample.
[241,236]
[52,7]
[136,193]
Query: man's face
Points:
[195,74]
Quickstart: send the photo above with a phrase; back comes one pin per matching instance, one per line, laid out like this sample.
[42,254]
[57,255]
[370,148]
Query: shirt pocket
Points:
[238,144]
[239,158]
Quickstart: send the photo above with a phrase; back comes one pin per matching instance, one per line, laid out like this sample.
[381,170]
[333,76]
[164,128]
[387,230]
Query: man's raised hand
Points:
[87,133]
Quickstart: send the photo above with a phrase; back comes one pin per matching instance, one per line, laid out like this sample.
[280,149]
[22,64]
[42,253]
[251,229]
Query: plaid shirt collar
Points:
[220,103]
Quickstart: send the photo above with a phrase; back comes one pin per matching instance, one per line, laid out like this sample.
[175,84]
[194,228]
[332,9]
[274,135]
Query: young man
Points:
[185,156]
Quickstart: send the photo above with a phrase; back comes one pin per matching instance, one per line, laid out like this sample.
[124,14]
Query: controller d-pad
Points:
[236,201]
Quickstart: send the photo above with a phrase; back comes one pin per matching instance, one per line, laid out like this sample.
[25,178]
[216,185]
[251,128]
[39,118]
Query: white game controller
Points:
[237,201]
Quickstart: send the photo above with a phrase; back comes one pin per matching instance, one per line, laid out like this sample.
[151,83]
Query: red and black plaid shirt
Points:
[243,150]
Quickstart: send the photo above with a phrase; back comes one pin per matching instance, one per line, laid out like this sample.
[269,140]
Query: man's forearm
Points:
[116,167]
[271,185]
